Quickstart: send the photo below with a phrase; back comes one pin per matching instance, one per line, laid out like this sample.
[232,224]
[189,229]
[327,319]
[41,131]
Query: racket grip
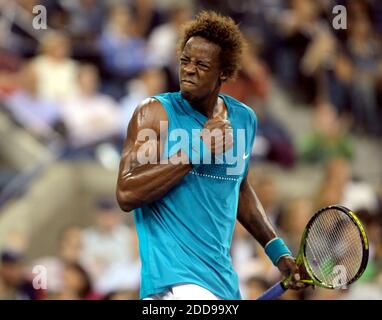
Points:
[273,293]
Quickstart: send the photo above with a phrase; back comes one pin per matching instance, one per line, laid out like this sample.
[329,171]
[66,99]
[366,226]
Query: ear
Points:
[223,77]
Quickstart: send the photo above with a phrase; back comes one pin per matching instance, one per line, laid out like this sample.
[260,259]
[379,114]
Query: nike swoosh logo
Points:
[245,156]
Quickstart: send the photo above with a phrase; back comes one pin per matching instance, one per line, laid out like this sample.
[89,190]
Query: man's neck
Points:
[207,105]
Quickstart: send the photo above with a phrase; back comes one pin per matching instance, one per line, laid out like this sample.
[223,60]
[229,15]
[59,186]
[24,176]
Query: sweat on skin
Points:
[193,146]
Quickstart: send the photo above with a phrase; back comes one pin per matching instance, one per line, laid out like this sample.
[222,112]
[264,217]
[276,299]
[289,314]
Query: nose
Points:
[189,68]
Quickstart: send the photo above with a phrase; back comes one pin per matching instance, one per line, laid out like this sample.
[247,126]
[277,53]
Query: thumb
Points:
[220,112]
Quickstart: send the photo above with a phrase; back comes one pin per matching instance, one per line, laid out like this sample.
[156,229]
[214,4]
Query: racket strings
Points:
[319,251]
[343,238]
[341,255]
[334,248]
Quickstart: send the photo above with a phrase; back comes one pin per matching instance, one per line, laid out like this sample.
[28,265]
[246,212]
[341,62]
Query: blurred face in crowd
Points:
[360,29]
[306,10]
[12,273]
[71,244]
[181,14]
[121,20]
[108,219]
[155,81]
[56,45]
[88,80]
[200,71]
[327,122]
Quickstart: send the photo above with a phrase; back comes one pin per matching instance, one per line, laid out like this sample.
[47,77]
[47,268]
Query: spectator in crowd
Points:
[90,117]
[10,64]
[364,50]
[37,114]
[244,253]
[16,32]
[122,48]
[374,234]
[69,252]
[56,71]
[110,251]
[298,27]
[14,281]
[293,220]
[161,44]
[77,284]
[85,18]
[149,83]
[252,84]
[268,193]
[328,138]
[273,142]
[338,77]
[338,186]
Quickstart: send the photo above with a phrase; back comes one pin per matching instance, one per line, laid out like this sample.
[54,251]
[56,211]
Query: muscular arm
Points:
[139,184]
[252,216]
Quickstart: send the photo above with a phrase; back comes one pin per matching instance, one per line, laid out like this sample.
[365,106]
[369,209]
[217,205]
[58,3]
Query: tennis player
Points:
[185,205]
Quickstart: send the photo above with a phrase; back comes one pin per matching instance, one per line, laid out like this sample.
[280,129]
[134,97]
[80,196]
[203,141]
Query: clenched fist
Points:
[217,134]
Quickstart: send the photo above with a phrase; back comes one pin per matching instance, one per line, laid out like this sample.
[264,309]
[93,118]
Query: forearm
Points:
[252,216]
[147,183]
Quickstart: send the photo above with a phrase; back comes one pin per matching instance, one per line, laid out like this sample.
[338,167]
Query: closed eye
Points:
[204,66]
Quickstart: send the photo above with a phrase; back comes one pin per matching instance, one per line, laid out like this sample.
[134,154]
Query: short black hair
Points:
[220,30]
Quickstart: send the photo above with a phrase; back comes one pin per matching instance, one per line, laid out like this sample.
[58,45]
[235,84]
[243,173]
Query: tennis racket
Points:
[333,253]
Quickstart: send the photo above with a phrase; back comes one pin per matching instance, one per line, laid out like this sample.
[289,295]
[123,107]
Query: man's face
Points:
[200,71]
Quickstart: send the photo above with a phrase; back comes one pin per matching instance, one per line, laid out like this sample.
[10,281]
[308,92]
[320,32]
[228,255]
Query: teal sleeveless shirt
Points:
[185,237]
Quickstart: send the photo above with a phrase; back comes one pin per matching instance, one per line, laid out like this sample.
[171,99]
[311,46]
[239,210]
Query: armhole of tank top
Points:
[168,108]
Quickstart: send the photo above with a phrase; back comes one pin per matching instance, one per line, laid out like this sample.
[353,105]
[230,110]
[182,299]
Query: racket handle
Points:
[273,293]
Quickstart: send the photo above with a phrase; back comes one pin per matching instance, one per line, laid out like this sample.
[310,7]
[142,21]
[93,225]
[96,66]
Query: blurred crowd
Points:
[93,262]
[77,84]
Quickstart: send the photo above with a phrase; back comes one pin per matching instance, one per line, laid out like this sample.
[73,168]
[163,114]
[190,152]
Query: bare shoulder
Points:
[149,113]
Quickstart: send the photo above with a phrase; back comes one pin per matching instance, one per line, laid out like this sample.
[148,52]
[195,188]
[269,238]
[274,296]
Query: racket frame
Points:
[301,259]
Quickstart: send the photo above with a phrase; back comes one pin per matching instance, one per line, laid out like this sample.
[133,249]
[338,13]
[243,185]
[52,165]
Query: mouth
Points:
[186,81]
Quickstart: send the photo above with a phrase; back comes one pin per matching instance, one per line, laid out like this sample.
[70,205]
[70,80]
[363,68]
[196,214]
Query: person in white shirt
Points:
[56,71]
[110,251]
[90,117]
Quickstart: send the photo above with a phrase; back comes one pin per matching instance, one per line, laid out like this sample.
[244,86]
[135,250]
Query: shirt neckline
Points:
[198,115]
